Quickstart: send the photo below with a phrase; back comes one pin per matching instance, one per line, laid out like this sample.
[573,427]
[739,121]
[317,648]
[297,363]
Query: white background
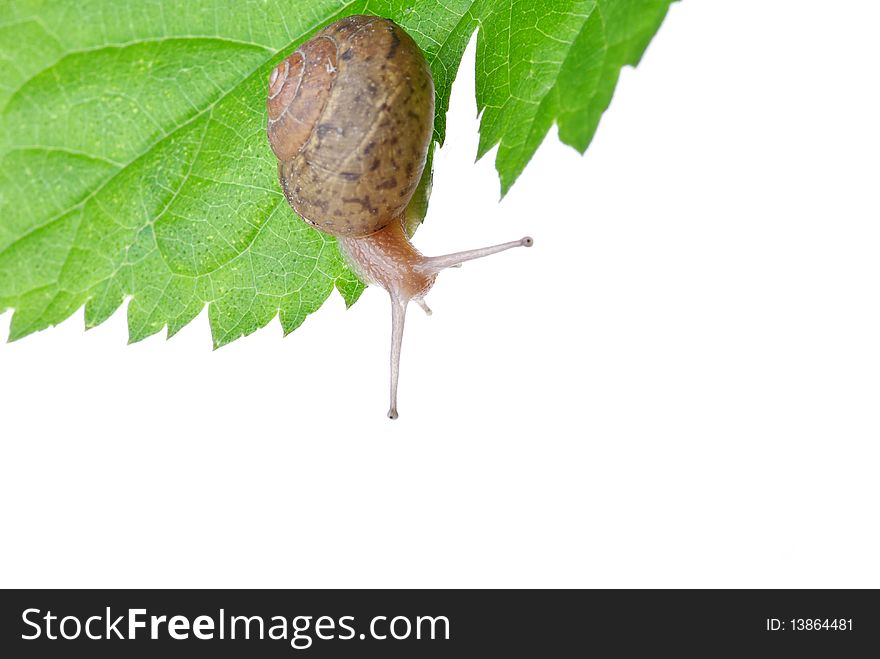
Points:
[677,386]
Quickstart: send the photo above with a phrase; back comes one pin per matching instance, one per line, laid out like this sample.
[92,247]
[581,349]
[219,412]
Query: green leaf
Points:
[540,62]
[134,163]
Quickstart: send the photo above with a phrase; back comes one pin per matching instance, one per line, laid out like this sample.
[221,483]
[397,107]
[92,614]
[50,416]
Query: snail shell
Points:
[351,113]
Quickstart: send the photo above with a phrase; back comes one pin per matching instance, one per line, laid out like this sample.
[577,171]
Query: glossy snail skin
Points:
[350,119]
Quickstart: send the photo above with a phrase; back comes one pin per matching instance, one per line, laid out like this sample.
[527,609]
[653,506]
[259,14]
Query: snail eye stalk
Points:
[431,265]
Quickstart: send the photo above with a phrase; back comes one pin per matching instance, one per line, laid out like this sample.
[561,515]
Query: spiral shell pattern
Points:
[351,114]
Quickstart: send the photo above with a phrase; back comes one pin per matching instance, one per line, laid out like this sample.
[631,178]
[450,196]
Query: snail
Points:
[350,120]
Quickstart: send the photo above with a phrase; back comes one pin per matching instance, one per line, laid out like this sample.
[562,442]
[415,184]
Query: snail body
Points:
[350,119]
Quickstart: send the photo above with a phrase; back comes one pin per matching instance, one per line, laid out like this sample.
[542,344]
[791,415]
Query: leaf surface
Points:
[134,163]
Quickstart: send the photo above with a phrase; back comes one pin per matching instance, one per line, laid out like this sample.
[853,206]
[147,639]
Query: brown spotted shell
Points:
[351,113]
